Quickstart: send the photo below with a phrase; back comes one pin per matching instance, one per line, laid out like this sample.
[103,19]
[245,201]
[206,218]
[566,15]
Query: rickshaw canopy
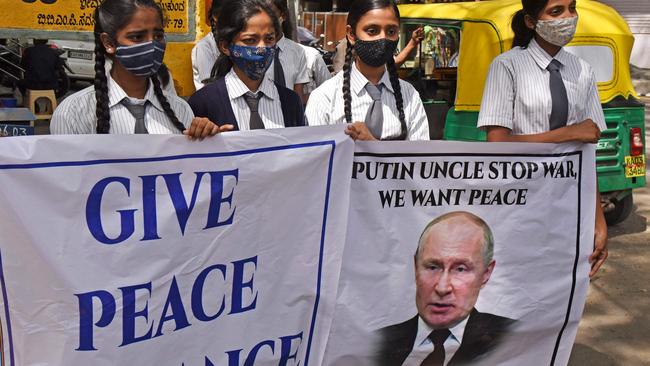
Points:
[486,33]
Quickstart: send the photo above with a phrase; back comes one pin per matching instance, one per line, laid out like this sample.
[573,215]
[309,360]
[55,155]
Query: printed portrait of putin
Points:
[453,262]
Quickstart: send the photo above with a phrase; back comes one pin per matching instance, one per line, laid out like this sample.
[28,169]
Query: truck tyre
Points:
[622,209]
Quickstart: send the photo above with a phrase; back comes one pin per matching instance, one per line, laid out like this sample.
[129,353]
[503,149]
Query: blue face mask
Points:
[252,60]
[142,59]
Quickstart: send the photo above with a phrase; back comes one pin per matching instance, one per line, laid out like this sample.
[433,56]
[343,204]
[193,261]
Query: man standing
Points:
[454,260]
[42,66]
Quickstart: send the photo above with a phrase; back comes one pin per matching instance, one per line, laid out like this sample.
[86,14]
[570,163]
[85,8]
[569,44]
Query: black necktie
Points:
[138,111]
[253,101]
[560,109]
[437,357]
[278,72]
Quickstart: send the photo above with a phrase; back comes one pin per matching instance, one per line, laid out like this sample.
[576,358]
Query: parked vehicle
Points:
[79,57]
[451,66]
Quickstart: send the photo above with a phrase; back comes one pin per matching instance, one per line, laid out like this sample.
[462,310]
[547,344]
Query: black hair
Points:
[110,17]
[215,9]
[232,20]
[523,34]
[40,41]
[357,10]
[287,24]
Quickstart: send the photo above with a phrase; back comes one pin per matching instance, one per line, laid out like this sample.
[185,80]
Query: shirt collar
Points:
[358,81]
[116,93]
[282,43]
[424,330]
[267,87]
[543,59]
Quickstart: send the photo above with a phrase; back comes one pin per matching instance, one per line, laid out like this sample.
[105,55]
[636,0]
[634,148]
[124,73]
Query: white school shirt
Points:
[294,63]
[269,106]
[77,113]
[316,68]
[326,106]
[517,93]
[204,55]
[423,346]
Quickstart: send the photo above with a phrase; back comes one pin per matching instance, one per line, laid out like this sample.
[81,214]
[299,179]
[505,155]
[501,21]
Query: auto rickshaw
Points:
[451,66]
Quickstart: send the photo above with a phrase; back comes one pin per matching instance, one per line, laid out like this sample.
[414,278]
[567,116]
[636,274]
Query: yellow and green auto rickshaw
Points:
[461,40]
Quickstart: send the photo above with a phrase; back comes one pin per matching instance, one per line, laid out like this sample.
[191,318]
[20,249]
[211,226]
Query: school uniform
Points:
[204,55]
[224,102]
[77,113]
[326,105]
[517,92]
[294,64]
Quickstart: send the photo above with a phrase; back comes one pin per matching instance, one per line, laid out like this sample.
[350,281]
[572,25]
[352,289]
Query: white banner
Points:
[153,250]
[519,306]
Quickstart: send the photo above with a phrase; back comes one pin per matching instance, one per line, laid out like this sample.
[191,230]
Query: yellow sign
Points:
[635,166]
[77,15]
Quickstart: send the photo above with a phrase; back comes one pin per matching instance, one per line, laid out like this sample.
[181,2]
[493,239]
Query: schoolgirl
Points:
[129,98]
[539,92]
[242,98]
[368,95]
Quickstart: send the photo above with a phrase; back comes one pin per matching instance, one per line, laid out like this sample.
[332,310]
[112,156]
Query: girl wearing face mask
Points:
[538,92]
[127,96]
[242,98]
[368,95]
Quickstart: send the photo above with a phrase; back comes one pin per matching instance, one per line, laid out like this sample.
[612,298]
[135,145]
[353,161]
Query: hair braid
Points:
[165,103]
[347,96]
[399,101]
[101,87]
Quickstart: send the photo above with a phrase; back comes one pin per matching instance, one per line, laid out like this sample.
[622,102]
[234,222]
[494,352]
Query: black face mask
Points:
[375,53]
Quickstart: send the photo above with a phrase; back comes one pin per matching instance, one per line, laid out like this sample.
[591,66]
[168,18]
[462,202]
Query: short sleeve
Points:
[415,115]
[593,108]
[321,73]
[302,76]
[317,106]
[497,106]
[65,119]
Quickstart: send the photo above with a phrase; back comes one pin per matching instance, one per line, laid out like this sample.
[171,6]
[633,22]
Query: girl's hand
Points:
[202,127]
[418,35]
[359,131]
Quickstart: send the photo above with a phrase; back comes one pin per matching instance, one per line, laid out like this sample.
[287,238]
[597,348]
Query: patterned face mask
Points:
[252,60]
[142,59]
[558,32]
[375,53]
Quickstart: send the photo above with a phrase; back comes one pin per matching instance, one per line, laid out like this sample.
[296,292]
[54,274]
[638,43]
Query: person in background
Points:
[128,99]
[242,97]
[289,68]
[316,68]
[205,52]
[539,92]
[368,95]
[42,66]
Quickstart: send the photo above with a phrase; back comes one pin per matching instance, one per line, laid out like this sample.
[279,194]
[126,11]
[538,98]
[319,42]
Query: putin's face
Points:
[450,271]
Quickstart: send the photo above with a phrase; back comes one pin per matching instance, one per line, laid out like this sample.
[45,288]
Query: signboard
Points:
[15,130]
[73,19]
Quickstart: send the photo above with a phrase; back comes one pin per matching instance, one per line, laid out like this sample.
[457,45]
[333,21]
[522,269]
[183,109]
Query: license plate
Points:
[635,166]
[84,55]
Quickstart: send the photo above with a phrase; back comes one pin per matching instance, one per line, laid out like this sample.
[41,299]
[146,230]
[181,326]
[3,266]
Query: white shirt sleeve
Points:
[321,73]
[318,107]
[302,76]
[593,108]
[416,118]
[66,119]
[497,106]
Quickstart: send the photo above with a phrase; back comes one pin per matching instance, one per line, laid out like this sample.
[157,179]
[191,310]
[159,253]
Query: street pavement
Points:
[615,328]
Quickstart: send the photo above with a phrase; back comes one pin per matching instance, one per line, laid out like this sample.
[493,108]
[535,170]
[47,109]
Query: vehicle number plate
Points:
[635,166]
[84,55]
[15,130]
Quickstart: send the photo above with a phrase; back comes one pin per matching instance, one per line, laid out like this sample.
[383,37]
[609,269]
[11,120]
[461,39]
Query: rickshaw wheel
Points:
[622,209]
